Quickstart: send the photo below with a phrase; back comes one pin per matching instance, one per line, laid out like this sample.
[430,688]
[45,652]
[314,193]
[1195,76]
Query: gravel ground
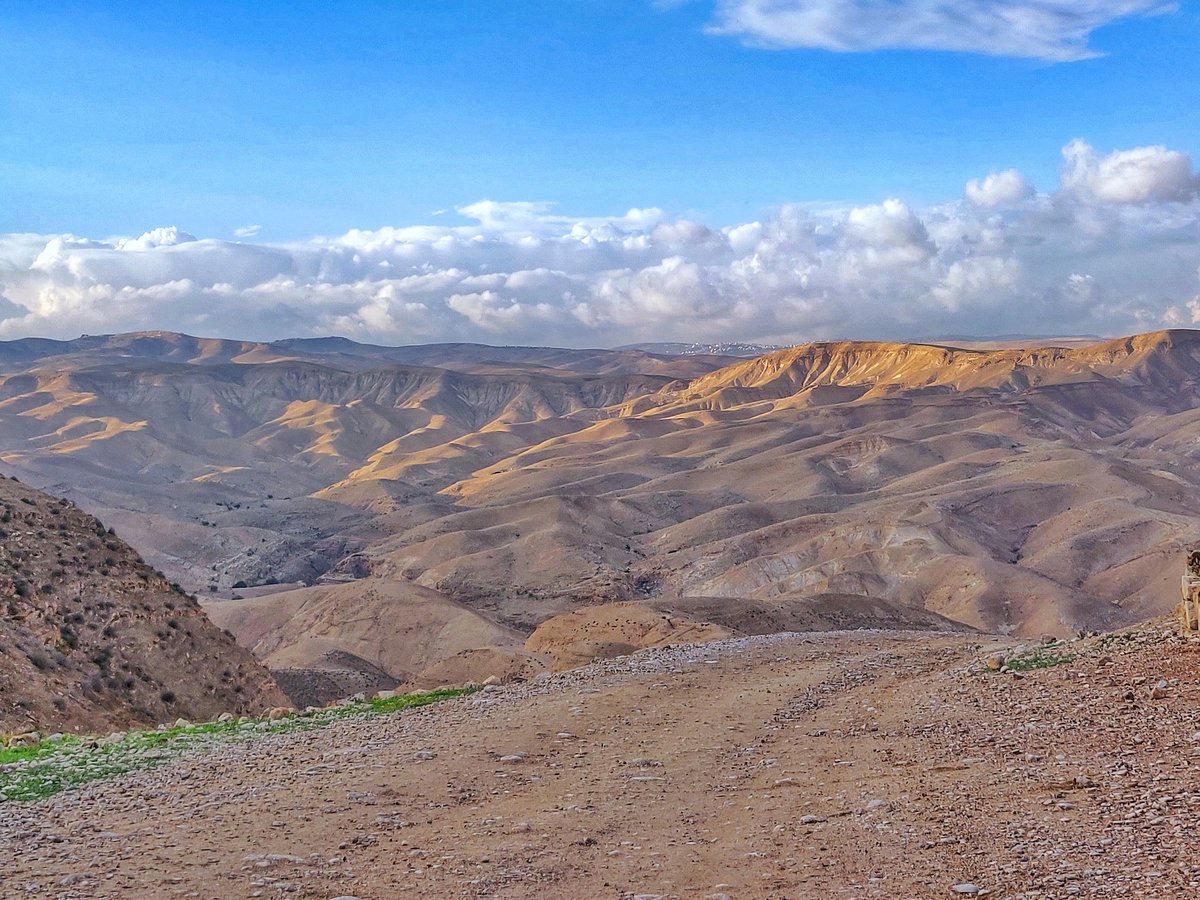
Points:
[861,764]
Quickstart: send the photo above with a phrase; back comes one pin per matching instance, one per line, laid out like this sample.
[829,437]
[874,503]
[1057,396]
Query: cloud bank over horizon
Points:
[1114,248]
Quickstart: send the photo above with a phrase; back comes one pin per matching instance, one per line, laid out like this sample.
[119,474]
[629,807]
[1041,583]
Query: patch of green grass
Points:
[1045,657]
[45,769]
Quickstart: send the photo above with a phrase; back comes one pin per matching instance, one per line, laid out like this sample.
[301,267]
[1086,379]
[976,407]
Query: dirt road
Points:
[836,765]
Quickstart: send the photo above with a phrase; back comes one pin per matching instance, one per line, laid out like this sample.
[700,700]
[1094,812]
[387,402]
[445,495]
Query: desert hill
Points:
[1020,489]
[387,631]
[92,638]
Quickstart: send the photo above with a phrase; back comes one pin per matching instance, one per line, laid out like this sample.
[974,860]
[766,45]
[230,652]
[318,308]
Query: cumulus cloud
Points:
[1141,175]
[999,188]
[1113,250]
[1054,30]
[157,237]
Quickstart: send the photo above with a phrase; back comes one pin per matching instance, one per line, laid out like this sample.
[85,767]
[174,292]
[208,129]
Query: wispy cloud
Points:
[1053,30]
[1112,249]
[247,231]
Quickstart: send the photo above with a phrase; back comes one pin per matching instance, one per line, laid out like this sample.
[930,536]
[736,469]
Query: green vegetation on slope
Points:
[45,769]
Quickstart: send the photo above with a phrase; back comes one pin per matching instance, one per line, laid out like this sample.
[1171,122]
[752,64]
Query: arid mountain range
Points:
[454,497]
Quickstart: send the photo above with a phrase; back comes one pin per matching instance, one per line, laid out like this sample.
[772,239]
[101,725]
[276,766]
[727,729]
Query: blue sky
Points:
[596,172]
[313,118]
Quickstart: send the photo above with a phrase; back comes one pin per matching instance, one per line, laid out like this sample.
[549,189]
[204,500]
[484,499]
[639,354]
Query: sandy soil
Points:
[836,765]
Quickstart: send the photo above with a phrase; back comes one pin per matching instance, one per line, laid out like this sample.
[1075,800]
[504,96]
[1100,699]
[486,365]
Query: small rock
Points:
[491,680]
[426,754]
[643,763]
[966,888]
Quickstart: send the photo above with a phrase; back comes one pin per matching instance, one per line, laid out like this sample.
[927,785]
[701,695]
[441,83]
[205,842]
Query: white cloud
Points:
[999,188]
[1055,30]
[156,237]
[1140,175]
[247,231]
[885,235]
[1113,250]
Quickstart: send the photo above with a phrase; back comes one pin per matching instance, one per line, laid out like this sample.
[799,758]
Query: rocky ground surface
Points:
[860,764]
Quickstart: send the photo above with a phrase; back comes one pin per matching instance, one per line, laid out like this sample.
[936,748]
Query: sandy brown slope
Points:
[1020,490]
[400,627]
[245,458]
[813,766]
[92,638]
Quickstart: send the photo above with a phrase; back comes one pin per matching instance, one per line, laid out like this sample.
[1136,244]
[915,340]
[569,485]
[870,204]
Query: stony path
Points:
[837,765]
